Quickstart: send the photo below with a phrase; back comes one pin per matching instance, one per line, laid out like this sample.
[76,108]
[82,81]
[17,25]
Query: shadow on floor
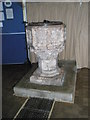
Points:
[11,74]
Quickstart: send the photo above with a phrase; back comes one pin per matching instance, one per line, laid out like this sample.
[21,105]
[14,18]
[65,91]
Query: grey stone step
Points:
[64,93]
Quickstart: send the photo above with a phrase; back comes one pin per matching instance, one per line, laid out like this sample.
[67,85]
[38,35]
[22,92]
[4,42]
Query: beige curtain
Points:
[76,20]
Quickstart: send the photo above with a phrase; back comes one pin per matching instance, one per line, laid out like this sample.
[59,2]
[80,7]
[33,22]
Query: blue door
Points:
[13,35]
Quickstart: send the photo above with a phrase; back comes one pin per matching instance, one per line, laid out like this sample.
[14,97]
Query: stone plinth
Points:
[46,41]
[64,93]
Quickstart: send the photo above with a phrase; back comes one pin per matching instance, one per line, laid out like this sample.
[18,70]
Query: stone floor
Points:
[80,108]
[11,74]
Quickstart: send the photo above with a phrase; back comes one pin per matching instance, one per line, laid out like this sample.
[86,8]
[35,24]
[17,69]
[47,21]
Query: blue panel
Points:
[13,45]
[16,24]
[13,49]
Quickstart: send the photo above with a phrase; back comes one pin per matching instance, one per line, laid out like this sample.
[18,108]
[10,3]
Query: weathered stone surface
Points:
[46,42]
